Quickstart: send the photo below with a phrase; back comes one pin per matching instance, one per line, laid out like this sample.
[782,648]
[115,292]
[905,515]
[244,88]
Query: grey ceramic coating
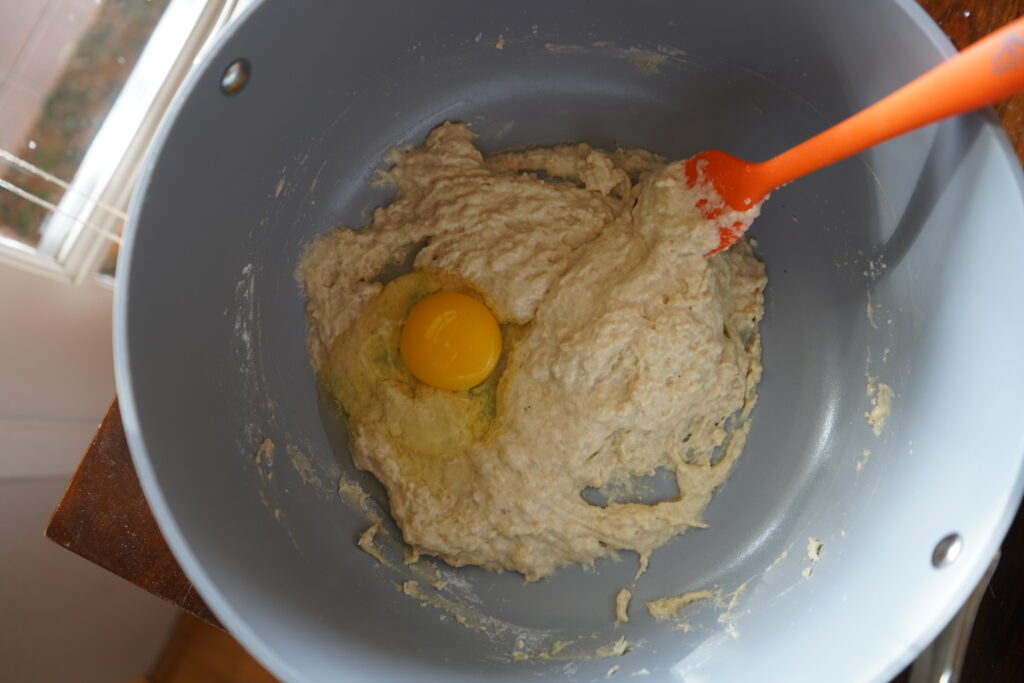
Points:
[211,355]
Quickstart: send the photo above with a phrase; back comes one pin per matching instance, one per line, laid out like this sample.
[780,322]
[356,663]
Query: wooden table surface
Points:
[104,516]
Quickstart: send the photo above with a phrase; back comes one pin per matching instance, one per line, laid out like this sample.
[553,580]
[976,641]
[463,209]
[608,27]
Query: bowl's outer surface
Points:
[211,355]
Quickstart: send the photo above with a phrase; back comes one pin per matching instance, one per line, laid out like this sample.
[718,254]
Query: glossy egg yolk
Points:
[450,341]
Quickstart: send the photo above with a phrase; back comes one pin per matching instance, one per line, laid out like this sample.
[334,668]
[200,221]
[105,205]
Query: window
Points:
[83,86]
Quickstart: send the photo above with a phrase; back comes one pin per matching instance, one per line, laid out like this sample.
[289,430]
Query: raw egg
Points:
[450,340]
[424,428]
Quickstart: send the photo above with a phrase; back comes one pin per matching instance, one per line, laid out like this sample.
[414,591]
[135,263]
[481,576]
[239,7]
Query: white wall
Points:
[62,618]
[56,371]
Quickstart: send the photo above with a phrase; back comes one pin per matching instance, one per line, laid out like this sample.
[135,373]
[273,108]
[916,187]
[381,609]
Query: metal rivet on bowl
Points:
[947,550]
[235,77]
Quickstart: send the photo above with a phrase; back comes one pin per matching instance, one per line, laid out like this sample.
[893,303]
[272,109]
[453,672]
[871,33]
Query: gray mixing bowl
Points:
[925,232]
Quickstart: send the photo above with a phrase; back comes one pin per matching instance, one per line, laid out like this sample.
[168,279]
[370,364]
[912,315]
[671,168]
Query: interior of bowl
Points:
[880,269]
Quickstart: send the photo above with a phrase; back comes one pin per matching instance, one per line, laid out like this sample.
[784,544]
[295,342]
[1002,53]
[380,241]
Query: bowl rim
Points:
[140,452]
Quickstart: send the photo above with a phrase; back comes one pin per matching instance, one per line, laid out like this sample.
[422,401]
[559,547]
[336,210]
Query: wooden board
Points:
[104,517]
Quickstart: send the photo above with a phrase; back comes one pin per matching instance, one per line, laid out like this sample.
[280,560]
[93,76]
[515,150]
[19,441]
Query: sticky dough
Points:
[631,352]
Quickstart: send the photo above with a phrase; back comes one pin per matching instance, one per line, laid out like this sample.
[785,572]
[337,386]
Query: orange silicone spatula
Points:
[729,188]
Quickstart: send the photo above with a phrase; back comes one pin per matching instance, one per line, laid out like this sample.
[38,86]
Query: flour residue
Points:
[670,607]
[675,607]
[871,312]
[645,61]
[264,459]
[779,559]
[302,466]
[579,648]
[616,648]
[243,345]
[875,268]
[728,617]
[525,643]
[814,547]
[864,456]
[734,601]
[881,395]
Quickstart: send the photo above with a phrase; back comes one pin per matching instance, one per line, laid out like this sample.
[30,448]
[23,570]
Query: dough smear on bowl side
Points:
[626,351]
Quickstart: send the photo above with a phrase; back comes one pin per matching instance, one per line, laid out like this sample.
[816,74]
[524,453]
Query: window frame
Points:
[79,230]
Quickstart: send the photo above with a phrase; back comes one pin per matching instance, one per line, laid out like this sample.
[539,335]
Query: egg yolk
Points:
[450,341]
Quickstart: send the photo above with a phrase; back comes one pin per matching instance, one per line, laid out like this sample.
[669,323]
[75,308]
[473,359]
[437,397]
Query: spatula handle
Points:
[985,72]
